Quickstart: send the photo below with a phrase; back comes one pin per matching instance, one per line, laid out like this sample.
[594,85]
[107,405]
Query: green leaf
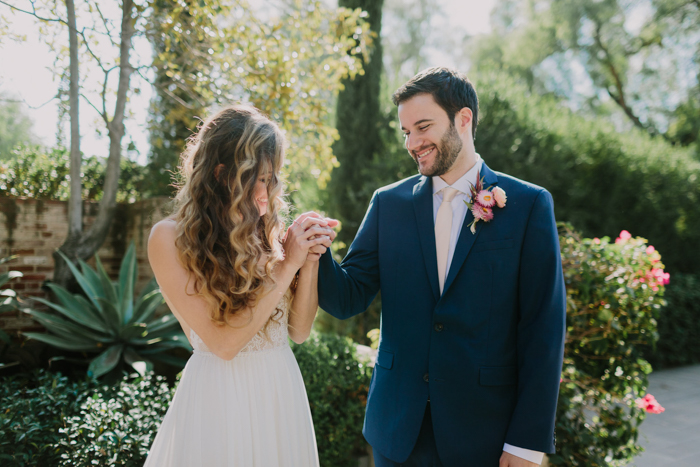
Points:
[110,291]
[7,259]
[93,278]
[164,322]
[73,309]
[8,276]
[133,331]
[111,314]
[151,286]
[61,342]
[146,307]
[127,279]
[97,313]
[137,362]
[106,361]
[84,283]
[67,329]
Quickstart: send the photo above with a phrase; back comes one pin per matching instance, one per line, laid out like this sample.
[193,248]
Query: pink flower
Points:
[624,236]
[650,249]
[485,198]
[500,196]
[482,212]
[596,241]
[650,404]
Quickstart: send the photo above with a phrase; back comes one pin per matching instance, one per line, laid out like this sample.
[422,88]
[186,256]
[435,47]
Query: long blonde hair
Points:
[221,238]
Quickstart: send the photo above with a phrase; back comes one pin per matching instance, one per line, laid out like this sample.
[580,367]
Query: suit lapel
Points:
[466,237]
[423,206]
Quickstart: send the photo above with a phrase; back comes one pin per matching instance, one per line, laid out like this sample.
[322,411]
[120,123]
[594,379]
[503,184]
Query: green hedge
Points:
[337,382]
[48,420]
[602,180]
[679,324]
[37,172]
[34,409]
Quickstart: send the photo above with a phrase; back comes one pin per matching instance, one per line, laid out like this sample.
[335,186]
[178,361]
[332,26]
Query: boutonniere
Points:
[483,202]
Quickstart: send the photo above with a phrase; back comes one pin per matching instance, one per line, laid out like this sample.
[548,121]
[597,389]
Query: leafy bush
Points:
[679,324]
[614,293]
[109,321]
[34,407]
[602,180]
[48,420]
[116,425]
[8,297]
[36,172]
[337,382]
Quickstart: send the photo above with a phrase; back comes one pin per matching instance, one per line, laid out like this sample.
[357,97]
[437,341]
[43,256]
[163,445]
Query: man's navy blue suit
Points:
[488,352]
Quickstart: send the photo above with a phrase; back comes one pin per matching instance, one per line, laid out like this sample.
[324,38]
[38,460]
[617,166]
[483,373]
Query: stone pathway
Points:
[673,437]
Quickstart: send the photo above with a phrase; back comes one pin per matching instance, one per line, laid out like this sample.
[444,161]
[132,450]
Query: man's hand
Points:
[509,460]
[316,220]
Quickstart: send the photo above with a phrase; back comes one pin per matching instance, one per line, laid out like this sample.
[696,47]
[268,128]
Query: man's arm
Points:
[347,289]
[541,331]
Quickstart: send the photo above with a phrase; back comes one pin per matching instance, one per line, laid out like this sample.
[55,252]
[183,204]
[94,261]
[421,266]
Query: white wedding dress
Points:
[251,411]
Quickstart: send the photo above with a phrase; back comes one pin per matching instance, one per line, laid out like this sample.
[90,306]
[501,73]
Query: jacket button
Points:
[426,377]
[439,327]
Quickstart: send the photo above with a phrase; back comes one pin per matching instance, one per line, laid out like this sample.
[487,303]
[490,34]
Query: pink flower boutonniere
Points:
[483,201]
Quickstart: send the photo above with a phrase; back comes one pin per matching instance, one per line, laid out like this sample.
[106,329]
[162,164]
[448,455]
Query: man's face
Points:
[430,137]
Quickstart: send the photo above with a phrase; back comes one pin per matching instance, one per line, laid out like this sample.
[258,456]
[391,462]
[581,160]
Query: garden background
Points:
[595,100]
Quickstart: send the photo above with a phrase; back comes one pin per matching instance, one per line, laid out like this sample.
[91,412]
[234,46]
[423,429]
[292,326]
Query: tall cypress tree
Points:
[360,125]
[358,121]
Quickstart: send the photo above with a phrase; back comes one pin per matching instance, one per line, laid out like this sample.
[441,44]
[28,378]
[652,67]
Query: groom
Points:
[472,332]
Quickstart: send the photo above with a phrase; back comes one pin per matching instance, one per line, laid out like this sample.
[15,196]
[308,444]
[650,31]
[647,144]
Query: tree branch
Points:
[99,112]
[619,95]
[35,14]
[105,23]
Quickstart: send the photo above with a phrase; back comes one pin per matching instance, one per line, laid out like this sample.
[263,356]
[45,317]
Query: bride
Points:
[238,286]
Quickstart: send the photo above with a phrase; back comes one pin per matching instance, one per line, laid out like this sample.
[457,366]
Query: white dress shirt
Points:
[459,212]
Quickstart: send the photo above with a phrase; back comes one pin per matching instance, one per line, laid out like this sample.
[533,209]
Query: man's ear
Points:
[463,120]
[217,171]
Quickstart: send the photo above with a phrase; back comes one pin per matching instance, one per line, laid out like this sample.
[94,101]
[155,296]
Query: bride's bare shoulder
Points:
[164,227]
[162,236]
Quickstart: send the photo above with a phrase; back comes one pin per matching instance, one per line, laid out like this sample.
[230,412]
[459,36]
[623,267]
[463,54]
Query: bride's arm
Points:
[305,303]
[223,341]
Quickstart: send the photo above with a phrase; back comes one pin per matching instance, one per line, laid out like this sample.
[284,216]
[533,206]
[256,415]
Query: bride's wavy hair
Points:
[229,249]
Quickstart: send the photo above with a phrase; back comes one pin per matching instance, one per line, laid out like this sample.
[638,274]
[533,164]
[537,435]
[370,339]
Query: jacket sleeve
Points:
[347,289]
[541,331]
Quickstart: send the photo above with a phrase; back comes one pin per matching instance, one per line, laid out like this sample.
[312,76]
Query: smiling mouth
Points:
[262,201]
[419,156]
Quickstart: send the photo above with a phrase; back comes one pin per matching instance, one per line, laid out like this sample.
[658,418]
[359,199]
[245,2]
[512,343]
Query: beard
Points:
[447,151]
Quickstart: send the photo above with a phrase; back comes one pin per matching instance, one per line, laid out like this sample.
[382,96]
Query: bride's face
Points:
[260,194]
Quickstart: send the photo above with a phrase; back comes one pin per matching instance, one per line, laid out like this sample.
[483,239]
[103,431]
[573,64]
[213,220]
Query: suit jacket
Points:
[488,352]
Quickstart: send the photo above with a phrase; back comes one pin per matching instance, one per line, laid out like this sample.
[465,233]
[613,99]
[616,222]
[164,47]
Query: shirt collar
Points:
[464,183]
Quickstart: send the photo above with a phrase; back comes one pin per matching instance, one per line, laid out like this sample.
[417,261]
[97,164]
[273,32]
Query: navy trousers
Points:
[424,453]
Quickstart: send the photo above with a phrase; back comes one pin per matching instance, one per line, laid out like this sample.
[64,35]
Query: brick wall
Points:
[34,229]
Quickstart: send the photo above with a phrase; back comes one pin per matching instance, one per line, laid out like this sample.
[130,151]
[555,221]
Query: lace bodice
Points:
[273,335]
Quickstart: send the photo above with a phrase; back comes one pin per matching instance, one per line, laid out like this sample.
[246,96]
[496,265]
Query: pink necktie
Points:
[443,228]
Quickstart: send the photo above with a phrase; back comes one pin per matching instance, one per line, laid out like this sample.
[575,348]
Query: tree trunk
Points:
[62,274]
[75,214]
[84,245]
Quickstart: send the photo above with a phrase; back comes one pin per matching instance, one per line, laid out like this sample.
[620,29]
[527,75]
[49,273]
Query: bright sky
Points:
[25,75]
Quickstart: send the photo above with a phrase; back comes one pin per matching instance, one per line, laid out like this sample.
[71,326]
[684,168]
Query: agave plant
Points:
[108,321]
[8,297]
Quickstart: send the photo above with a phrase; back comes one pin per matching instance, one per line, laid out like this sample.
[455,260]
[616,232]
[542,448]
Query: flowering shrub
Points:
[650,404]
[614,292]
